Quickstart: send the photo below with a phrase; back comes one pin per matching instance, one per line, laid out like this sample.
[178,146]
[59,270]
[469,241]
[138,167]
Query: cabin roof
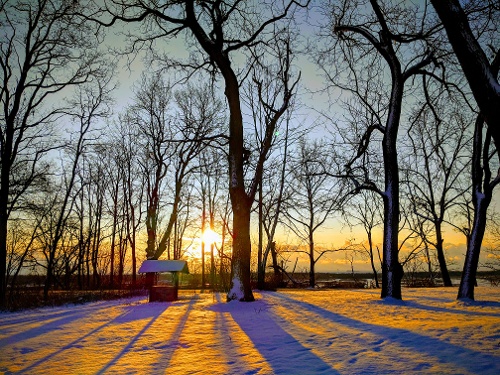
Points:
[164,266]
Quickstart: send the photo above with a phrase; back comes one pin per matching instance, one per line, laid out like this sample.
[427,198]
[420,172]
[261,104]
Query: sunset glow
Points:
[209,236]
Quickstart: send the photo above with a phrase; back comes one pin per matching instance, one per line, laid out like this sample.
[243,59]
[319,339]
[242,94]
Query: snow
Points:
[236,292]
[285,332]
[164,266]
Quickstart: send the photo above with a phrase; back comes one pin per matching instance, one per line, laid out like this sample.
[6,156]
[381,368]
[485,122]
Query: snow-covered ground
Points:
[286,332]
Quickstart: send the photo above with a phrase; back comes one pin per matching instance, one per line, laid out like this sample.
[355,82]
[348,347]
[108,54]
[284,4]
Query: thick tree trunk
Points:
[240,202]
[4,194]
[4,212]
[241,289]
[48,277]
[481,199]
[481,76]
[392,271]
[468,280]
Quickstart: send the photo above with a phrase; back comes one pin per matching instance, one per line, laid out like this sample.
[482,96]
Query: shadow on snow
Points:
[281,350]
[131,313]
[468,359]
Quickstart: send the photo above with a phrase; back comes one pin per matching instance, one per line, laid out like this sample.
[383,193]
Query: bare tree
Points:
[467,33]
[365,209]
[23,241]
[112,163]
[367,40]
[483,183]
[271,188]
[90,106]
[315,197]
[216,31]
[151,116]
[44,50]
[133,187]
[492,244]
[435,165]
[197,126]
[271,201]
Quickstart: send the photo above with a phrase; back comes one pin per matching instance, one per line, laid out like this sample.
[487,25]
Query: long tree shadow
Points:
[280,349]
[168,349]
[132,312]
[470,360]
[222,328]
[146,311]
[41,329]
[234,351]
[54,320]
[450,310]
[35,317]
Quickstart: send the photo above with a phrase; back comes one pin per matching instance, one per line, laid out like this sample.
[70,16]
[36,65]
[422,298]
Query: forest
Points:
[250,127]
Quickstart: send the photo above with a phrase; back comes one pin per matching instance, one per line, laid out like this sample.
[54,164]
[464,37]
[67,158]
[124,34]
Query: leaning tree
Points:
[479,70]
[469,30]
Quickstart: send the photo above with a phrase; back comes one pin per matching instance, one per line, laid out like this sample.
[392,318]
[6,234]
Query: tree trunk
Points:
[203,228]
[134,258]
[481,199]
[48,276]
[241,288]
[151,223]
[312,272]
[261,271]
[212,248]
[4,194]
[113,235]
[372,260]
[6,163]
[468,280]
[240,203]
[274,257]
[481,76]
[312,263]
[392,271]
[441,258]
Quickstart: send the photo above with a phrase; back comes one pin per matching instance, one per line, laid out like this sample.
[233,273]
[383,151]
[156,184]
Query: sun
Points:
[209,236]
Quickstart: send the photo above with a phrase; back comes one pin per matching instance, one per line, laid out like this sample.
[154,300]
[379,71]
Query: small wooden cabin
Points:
[159,293]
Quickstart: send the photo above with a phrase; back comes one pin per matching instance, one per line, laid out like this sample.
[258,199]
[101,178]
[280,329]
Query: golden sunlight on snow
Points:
[286,332]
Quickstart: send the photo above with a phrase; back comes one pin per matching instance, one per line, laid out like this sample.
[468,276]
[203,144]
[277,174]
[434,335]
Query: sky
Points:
[345,332]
